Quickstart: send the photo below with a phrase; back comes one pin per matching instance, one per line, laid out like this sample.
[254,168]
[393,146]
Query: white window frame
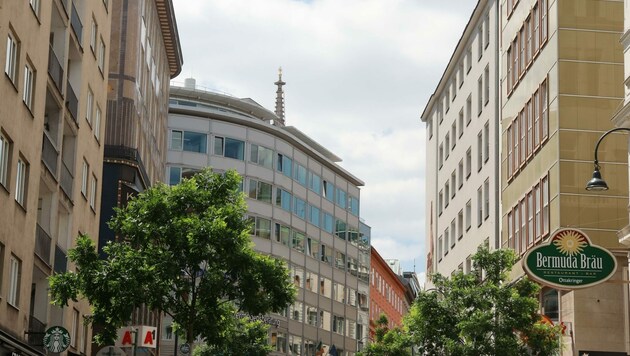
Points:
[35,5]
[15,276]
[5,147]
[93,35]
[89,107]
[11,59]
[93,187]
[101,55]
[97,123]
[29,86]
[84,178]
[20,182]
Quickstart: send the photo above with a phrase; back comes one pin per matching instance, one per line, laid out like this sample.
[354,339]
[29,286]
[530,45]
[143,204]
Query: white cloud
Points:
[358,74]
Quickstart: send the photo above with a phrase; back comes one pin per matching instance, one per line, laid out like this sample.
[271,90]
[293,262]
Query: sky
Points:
[358,74]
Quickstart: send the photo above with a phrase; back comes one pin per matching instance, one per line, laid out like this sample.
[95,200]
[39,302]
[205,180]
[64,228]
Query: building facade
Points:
[304,206]
[51,148]
[561,82]
[388,294]
[145,55]
[462,126]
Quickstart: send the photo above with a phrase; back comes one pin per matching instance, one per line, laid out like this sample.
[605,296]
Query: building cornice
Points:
[168,26]
[622,117]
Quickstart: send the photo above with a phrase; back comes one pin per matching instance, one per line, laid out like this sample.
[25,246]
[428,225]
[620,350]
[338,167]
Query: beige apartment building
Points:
[561,83]
[54,91]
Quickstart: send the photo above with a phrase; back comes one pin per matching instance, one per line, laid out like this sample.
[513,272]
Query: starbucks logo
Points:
[56,339]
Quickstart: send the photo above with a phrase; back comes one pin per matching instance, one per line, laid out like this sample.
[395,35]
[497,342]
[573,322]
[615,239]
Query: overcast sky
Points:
[358,74]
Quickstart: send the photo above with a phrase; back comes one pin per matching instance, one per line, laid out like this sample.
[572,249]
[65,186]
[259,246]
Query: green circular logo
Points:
[56,339]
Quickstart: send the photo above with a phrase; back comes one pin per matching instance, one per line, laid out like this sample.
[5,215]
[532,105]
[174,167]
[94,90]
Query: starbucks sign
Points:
[56,339]
[569,261]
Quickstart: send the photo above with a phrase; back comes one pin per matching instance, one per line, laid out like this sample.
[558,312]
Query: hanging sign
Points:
[56,339]
[569,261]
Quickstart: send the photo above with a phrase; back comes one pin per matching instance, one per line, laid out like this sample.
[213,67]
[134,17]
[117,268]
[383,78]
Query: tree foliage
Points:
[479,313]
[387,342]
[184,250]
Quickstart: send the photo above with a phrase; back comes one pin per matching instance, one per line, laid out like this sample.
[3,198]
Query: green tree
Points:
[184,250]
[387,342]
[469,315]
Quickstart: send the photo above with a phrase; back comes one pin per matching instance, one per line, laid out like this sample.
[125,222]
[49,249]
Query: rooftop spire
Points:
[279,100]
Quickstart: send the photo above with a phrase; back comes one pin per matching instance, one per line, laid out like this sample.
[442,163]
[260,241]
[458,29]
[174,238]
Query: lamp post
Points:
[597,183]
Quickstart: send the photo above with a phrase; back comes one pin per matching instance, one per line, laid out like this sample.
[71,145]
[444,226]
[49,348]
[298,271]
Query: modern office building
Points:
[51,149]
[561,83]
[462,153]
[305,209]
[388,293]
[145,56]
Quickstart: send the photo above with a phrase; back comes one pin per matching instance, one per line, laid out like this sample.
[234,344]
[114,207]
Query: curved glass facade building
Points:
[304,206]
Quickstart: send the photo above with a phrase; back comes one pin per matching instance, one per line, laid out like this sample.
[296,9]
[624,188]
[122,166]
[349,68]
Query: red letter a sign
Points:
[127,338]
[148,338]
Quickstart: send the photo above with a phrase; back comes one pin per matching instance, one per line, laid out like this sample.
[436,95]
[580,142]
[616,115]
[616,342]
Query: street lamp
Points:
[597,183]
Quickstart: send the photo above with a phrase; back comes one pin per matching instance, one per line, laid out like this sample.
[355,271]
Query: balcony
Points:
[72,103]
[49,156]
[55,70]
[36,331]
[42,244]
[67,180]
[75,23]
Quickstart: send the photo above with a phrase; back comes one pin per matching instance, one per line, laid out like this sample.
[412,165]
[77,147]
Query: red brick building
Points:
[387,293]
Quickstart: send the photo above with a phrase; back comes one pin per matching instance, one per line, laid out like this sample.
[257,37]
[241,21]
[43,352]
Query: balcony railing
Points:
[36,332]
[55,70]
[67,179]
[49,156]
[42,244]
[76,24]
[72,103]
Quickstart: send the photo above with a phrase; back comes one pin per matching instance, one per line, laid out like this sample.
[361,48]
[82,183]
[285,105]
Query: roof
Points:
[170,35]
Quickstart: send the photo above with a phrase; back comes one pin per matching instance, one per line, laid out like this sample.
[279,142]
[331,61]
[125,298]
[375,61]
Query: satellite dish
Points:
[111,351]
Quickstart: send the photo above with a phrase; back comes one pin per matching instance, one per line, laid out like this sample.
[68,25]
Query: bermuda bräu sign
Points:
[569,261]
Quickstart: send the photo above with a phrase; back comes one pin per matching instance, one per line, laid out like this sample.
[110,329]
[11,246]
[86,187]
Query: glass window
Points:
[234,149]
[299,207]
[311,316]
[262,156]
[262,228]
[15,277]
[101,55]
[279,342]
[93,32]
[549,304]
[4,159]
[260,191]
[283,199]
[218,146]
[338,324]
[354,205]
[174,174]
[285,165]
[195,142]
[339,292]
[312,248]
[93,192]
[314,182]
[326,255]
[10,65]
[314,215]
[97,123]
[328,223]
[21,180]
[328,191]
[340,229]
[298,241]
[177,139]
[340,195]
[468,214]
[29,86]
[282,234]
[84,178]
[299,174]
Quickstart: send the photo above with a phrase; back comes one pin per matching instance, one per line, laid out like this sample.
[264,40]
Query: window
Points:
[461,73]
[454,88]
[543,22]
[530,126]
[460,174]
[340,262]
[486,39]
[453,233]
[447,146]
[93,192]
[89,106]
[282,234]
[328,190]
[522,123]
[341,199]
[5,145]
[261,155]
[29,86]
[468,59]
[21,180]
[430,128]
[468,162]
[480,37]
[260,191]
[535,29]
[328,223]
[486,88]
[447,102]
[508,76]
[479,206]
[440,201]
[311,315]
[11,60]
[521,44]
[510,230]
[354,205]
[441,155]
[515,142]
[515,72]
[453,183]
[530,219]
[536,113]
[479,95]
[340,229]
[486,199]
[454,134]
[326,257]
[446,193]
[439,247]
[312,249]
[35,6]
[479,150]
[314,182]
[461,123]
[468,214]
[93,32]
[299,208]
[97,123]
[232,148]
[549,304]
[74,330]
[537,212]
[460,224]
[299,173]
[545,205]
[523,210]
[84,178]
[313,215]
[297,241]
[338,324]
[283,199]
[15,277]
[446,241]
[468,110]
[517,229]
[544,110]
[486,146]
[285,165]
[101,56]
